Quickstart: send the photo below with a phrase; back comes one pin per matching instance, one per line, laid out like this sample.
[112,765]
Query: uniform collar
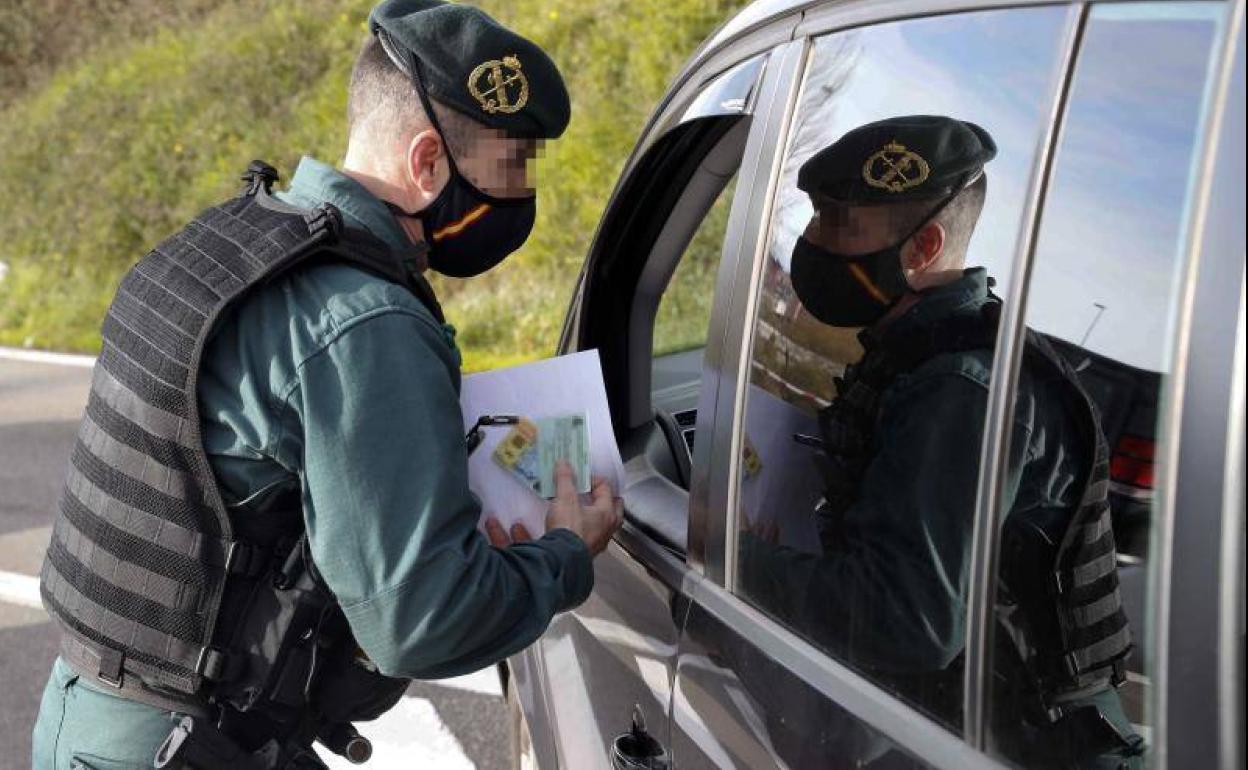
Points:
[966,296]
[315,182]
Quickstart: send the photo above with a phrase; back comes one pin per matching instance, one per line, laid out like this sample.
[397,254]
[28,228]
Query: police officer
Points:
[895,204]
[266,527]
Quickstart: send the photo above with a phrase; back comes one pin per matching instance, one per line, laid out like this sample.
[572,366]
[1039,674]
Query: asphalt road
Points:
[452,724]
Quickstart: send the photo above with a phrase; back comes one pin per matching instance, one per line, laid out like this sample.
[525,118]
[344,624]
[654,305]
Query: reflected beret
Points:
[468,61]
[915,157]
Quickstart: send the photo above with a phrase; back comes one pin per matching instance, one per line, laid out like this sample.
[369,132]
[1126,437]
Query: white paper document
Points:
[556,387]
[782,485]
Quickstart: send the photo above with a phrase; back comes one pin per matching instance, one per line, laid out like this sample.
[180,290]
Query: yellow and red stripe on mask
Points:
[455,228]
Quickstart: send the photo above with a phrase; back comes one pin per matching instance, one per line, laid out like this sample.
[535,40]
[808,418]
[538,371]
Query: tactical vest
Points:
[158,590]
[1070,632]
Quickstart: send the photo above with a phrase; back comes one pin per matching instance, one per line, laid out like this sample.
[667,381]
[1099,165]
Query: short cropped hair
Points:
[958,218]
[382,102]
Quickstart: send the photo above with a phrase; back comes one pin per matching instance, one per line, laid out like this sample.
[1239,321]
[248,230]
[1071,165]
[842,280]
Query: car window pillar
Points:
[725,363]
[1200,592]
[994,459]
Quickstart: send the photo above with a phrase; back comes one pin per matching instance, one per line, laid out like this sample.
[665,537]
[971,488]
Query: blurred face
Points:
[499,165]
[854,230]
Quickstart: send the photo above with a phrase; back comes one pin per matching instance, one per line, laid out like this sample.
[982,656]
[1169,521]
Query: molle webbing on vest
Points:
[142,545]
[1095,635]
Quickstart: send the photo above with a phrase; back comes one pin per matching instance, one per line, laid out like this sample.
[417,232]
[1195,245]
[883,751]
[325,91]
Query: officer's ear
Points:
[426,165]
[924,247]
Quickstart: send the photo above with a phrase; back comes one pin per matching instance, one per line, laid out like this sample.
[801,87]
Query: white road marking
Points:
[410,735]
[22,590]
[45,357]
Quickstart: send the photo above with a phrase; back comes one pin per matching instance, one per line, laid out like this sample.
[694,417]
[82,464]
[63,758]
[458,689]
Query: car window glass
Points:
[684,313]
[856,533]
[1102,296]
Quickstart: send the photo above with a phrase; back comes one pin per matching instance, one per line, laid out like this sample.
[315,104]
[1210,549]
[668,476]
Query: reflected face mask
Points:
[841,290]
[852,290]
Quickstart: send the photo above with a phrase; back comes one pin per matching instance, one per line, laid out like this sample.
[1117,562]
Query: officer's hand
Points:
[499,537]
[594,522]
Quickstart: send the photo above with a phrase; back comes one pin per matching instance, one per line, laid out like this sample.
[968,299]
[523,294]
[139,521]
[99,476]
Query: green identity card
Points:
[562,438]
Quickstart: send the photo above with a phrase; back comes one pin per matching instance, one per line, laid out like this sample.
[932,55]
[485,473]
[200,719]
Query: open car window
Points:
[650,286]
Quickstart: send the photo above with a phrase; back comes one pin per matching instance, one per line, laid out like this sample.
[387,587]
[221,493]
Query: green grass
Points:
[107,153]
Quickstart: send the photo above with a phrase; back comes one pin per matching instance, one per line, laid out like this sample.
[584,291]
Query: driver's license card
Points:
[517,452]
[562,438]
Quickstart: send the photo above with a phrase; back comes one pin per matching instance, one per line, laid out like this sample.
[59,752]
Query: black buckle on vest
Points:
[111,668]
[246,560]
[215,664]
[1119,675]
[324,220]
[258,174]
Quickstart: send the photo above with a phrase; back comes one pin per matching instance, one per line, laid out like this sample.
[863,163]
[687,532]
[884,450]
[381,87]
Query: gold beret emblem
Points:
[894,168]
[499,85]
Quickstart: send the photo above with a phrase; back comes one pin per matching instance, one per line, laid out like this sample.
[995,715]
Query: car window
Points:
[1103,294]
[854,507]
[649,283]
[684,314]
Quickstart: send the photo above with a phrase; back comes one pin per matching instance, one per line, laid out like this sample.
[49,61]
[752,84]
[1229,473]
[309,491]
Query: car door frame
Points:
[527,669]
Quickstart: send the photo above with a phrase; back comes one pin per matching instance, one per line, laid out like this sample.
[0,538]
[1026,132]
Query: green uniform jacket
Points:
[342,386]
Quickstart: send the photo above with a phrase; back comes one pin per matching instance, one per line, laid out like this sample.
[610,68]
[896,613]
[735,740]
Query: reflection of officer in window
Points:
[895,205]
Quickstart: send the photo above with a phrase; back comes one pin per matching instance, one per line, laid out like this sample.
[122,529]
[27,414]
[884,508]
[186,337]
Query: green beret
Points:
[468,61]
[915,157]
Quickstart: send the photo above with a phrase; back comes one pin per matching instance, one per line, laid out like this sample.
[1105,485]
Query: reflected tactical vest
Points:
[143,551]
[1069,630]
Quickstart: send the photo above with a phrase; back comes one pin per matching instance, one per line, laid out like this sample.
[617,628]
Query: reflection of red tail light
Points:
[1132,462]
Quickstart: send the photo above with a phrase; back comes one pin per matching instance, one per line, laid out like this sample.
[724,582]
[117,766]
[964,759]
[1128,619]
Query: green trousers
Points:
[81,727]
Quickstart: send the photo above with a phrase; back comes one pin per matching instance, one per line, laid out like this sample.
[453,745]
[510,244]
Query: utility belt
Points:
[292,675]
[198,744]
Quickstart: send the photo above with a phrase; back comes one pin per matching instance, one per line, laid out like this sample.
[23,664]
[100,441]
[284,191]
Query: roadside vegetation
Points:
[121,120]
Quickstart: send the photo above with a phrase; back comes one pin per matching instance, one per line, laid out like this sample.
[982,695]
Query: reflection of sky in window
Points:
[1112,224]
[993,68]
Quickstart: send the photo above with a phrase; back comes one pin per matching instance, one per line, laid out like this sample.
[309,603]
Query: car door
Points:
[1053,85]
[645,303]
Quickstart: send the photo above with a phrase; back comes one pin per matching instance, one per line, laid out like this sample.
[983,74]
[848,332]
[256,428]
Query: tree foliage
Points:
[110,147]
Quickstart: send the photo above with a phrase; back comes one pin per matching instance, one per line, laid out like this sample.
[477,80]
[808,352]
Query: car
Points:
[1113,226]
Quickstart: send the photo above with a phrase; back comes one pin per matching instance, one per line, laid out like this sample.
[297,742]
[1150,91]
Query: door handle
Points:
[637,749]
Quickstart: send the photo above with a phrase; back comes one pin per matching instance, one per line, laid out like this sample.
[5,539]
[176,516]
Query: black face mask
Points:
[852,291]
[846,291]
[468,232]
